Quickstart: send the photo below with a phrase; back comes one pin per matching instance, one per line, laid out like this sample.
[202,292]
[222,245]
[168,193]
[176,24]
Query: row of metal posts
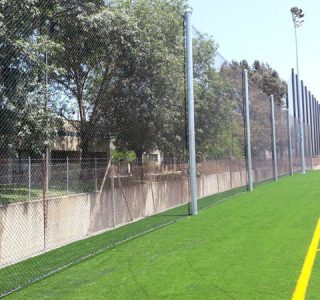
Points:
[191,126]
[308,115]
[305,108]
[46,176]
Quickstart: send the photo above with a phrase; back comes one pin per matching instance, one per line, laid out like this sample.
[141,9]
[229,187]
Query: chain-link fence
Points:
[94,131]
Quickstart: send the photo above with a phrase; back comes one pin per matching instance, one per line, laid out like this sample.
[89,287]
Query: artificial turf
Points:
[250,247]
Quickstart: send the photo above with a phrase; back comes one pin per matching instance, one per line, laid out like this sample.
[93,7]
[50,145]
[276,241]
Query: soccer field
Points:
[252,246]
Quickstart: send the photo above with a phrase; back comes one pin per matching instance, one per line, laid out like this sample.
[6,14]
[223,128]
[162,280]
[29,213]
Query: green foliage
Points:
[267,79]
[123,156]
[23,91]
[119,63]
[216,104]
[128,70]
[263,82]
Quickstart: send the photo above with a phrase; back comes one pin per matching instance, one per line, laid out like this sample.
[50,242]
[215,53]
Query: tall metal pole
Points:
[274,141]
[311,124]
[317,125]
[303,116]
[247,129]
[191,127]
[289,138]
[295,113]
[316,131]
[297,18]
[301,135]
[297,53]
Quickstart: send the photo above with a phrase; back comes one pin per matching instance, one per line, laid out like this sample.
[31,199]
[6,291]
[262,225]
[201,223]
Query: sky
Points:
[263,30]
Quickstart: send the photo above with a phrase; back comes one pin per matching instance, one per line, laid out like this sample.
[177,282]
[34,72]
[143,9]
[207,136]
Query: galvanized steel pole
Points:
[311,124]
[308,114]
[289,138]
[274,141]
[301,136]
[191,126]
[247,129]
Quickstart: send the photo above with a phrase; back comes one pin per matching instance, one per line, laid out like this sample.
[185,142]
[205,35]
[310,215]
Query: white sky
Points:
[263,30]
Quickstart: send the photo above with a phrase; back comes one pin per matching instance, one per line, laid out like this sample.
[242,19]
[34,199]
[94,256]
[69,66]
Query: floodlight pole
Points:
[297,18]
[247,129]
[274,140]
[191,125]
[297,51]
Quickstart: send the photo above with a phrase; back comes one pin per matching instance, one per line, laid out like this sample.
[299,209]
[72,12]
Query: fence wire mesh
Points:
[219,127]
[261,135]
[93,129]
[282,138]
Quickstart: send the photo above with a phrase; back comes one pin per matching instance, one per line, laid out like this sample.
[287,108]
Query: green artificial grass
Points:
[24,273]
[251,247]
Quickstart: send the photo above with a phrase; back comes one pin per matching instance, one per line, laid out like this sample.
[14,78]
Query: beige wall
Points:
[24,232]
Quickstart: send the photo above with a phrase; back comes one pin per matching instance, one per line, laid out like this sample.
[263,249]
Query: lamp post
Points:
[297,18]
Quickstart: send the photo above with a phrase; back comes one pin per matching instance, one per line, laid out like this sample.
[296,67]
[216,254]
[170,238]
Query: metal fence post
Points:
[308,114]
[294,109]
[247,129]
[230,170]
[311,126]
[274,141]
[315,131]
[67,174]
[218,176]
[289,139]
[45,159]
[191,127]
[316,126]
[95,175]
[317,120]
[301,136]
[112,195]
[29,176]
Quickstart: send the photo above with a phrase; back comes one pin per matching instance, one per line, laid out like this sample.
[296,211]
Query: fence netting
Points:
[219,124]
[94,132]
[307,127]
[261,134]
[282,137]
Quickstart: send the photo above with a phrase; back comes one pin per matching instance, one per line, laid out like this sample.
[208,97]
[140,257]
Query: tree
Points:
[116,62]
[263,82]
[268,80]
[215,104]
[151,103]
[23,90]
